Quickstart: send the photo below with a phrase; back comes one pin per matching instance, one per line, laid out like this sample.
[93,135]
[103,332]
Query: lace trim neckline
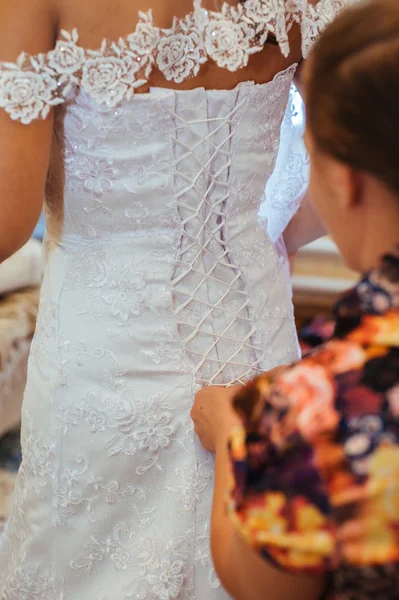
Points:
[111,74]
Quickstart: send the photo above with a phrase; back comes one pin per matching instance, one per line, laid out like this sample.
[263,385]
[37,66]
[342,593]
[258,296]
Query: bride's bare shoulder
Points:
[99,19]
[30,26]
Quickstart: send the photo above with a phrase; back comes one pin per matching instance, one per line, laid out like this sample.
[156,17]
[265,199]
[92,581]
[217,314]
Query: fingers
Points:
[217,393]
[274,373]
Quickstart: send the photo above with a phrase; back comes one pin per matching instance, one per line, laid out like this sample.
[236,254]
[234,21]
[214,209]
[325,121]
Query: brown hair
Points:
[352,89]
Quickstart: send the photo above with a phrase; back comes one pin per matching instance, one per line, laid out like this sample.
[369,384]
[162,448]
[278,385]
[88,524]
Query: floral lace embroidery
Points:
[180,53]
[110,75]
[111,461]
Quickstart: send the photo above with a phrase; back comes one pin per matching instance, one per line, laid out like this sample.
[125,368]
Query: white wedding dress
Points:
[159,278]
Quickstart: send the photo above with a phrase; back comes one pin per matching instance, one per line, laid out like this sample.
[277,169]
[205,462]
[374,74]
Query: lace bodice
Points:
[111,74]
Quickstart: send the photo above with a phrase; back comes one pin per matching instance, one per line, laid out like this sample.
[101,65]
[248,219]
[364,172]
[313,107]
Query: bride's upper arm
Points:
[24,149]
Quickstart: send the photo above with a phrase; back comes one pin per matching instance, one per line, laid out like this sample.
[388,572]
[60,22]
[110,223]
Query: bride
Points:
[153,148]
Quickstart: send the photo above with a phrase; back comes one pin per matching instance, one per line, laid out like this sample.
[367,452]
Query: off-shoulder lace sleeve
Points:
[111,74]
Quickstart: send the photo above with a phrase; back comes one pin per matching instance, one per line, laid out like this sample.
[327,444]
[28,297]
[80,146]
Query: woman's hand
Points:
[213,415]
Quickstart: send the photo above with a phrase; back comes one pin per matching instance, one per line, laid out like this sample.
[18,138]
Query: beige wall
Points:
[320,276]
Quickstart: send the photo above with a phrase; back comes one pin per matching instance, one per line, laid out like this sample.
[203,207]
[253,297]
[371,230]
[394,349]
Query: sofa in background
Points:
[20,279]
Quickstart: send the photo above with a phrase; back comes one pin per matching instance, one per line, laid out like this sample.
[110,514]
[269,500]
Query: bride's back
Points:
[99,19]
[90,58]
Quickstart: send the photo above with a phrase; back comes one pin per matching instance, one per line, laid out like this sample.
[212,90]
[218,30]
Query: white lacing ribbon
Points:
[243,369]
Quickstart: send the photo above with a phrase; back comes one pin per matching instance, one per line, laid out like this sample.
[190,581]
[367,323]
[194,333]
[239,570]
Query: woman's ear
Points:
[347,185]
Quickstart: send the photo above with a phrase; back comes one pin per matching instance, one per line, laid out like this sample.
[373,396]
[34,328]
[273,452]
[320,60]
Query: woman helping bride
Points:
[155,150]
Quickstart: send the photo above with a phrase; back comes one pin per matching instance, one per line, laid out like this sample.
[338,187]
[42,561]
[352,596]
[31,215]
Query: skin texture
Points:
[24,151]
[33,27]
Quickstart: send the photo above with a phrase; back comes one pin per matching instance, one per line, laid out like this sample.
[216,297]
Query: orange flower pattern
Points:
[315,468]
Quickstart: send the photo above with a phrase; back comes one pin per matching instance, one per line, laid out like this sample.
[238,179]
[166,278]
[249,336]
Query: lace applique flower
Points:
[67,58]
[111,74]
[104,79]
[181,53]
[228,38]
[146,37]
[26,95]
[272,16]
[144,42]
[262,15]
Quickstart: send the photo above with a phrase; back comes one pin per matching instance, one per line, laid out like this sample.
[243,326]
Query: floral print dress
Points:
[315,486]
